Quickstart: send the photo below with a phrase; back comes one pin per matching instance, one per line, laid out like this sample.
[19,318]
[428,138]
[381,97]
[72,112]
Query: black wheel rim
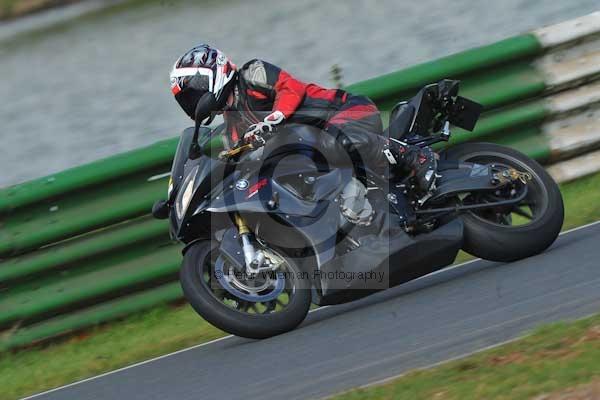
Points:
[280,303]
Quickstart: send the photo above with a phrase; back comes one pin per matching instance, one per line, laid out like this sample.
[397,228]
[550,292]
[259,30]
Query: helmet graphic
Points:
[200,70]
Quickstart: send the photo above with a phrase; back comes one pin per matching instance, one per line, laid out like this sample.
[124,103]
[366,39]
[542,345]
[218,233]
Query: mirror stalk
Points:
[204,109]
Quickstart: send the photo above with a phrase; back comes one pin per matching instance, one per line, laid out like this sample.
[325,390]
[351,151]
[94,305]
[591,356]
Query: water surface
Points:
[98,85]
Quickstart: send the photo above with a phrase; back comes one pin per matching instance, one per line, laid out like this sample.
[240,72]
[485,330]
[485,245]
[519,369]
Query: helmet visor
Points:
[194,87]
[201,76]
[198,82]
[188,99]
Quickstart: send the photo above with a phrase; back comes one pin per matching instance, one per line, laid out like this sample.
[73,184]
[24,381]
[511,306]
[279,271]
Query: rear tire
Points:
[254,326]
[492,241]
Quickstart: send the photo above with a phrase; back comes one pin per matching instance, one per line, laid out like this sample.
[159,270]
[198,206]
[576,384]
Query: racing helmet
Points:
[200,70]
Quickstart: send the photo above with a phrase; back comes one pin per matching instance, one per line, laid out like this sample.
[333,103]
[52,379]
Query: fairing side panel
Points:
[397,256]
[250,201]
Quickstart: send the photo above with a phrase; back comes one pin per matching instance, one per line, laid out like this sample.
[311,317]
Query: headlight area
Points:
[185,196]
[170,188]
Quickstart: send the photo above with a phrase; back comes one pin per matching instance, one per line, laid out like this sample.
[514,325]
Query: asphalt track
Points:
[438,317]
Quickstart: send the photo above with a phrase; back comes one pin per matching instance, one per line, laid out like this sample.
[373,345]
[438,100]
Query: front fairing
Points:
[208,138]
[253,185]
[256,195]
[199,177]
[221,188]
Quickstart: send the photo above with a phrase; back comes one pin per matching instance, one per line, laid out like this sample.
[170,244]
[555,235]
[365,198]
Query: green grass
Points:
[582,201]
[554,357]
[6,7]
[136,338]
[167,329]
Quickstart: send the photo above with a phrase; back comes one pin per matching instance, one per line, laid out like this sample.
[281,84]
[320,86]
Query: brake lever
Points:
[260,141]
[237,150]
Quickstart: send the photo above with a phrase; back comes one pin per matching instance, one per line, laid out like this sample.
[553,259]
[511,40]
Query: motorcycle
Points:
[270,228]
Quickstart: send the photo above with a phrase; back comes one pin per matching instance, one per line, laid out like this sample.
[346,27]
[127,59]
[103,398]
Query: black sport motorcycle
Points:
[271,227]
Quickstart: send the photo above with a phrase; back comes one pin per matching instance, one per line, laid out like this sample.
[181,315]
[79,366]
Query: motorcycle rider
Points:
[260,96]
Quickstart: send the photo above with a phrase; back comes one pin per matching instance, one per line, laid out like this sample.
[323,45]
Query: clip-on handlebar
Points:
[254,145]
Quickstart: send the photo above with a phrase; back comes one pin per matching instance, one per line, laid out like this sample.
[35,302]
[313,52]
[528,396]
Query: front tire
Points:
[201,296]
[498,241]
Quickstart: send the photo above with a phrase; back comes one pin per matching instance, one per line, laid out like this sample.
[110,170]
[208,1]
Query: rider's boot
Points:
[420,160]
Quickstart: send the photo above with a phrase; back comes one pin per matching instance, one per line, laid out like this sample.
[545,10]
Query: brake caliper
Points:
[511,175]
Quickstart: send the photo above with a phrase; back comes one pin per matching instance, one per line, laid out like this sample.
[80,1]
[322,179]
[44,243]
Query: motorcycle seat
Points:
[400,120]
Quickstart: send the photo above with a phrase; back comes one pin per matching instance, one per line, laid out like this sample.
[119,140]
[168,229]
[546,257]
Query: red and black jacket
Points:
[263,88]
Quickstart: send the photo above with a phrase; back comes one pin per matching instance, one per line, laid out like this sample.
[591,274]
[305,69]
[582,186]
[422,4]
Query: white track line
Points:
[230,336]
[436,364]
[141,363]
[125,368]
[446,361]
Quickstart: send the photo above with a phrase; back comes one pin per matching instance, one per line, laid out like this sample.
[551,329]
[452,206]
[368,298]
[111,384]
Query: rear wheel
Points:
[257,307]
[509,233]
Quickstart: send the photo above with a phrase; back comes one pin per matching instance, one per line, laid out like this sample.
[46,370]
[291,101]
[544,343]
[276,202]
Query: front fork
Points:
[254,259]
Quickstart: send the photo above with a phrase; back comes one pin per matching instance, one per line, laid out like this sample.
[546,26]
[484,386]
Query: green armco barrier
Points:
[504,120]
[92,174]
[116,274]
[48,222]
[88,175]
[506,85]
[480,58]
[528,141]
[79,248]
[93,315]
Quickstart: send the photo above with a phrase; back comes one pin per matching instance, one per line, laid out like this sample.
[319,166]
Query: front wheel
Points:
[256,307]
[510,233]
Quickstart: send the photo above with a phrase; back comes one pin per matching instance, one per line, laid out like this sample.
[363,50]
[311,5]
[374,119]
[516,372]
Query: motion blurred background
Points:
[96,84]
[88,280]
